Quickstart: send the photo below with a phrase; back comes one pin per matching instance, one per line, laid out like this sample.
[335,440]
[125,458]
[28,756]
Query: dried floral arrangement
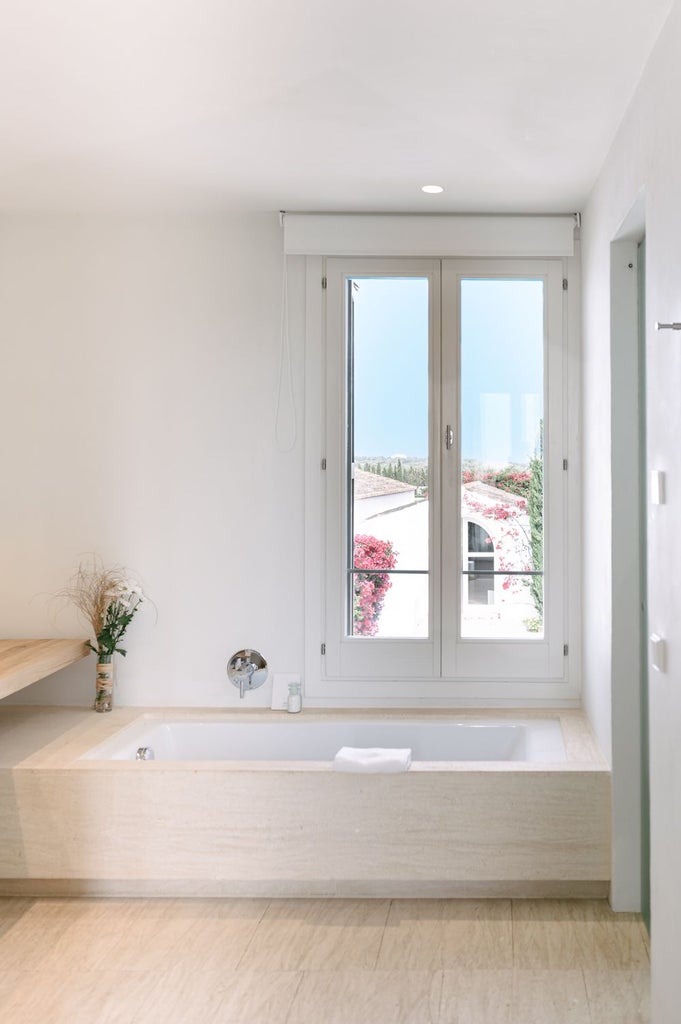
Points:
[108,598]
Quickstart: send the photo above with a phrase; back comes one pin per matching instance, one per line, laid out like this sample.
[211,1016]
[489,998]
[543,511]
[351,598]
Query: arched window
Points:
[480,558]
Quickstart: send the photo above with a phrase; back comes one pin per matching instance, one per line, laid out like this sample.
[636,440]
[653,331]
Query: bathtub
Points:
[298,740]
[246,803]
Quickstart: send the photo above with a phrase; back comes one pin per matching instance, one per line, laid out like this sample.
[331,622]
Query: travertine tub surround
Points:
[296,828]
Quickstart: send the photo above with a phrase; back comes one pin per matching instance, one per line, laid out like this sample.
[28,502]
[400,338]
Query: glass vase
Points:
[104,683]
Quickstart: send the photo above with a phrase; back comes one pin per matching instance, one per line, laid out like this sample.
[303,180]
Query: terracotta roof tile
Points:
[371,485]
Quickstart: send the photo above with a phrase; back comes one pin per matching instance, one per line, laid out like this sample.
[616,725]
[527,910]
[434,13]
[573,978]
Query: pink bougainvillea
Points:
[512,479]
[512,544]
[370,588]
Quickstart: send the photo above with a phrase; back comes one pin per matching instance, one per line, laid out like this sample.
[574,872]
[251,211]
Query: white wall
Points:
[646,154]
[137,395]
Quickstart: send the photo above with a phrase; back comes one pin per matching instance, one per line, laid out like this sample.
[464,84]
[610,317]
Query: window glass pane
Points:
[502,387]
[390,604]
[479,539]
[388,517]
[480,581]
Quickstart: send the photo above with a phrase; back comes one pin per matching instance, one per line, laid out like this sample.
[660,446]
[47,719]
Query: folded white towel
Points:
[372,759]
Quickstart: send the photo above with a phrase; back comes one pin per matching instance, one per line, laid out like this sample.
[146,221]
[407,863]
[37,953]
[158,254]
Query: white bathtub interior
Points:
[298,740]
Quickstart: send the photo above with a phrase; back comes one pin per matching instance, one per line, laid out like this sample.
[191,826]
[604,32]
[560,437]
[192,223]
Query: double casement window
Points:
[444,533]
[438,518]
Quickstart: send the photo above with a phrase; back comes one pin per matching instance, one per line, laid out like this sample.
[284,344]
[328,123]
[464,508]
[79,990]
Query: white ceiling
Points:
[268,104]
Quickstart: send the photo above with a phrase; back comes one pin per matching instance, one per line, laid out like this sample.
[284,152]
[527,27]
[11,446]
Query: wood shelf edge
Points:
[23,662]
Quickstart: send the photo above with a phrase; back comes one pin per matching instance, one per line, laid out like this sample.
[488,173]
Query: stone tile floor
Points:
[347,961]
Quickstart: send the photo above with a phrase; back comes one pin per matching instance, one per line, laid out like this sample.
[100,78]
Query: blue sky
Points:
[501,367]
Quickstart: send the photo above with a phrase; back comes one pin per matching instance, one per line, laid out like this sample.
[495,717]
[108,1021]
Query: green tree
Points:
[535,507]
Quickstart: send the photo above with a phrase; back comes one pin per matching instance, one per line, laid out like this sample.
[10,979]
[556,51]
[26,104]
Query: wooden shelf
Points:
[23,662]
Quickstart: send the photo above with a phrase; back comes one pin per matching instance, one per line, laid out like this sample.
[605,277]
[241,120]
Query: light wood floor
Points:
[256,961]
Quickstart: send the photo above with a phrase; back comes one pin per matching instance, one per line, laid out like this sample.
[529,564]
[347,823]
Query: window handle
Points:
[449,437]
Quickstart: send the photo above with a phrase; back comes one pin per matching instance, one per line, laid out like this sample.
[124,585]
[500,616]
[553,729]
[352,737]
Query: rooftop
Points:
[371,485]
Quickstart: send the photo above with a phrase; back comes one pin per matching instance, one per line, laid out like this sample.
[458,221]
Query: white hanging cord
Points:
[285,369]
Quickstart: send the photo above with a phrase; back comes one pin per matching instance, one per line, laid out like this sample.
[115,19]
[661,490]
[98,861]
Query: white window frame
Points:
[513,659]
[354,656]
[331,679]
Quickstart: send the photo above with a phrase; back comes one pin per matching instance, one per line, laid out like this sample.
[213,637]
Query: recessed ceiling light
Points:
[432,189]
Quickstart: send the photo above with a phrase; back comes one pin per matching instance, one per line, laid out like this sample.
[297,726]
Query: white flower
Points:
[125,591]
